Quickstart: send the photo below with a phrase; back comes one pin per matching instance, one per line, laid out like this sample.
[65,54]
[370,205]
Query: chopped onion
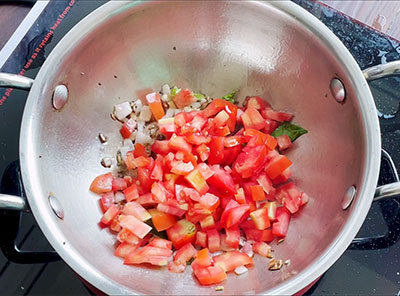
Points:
[242,241]
[166,90]
[164,98]
[187,109]
[122,110]
[145,114]
[195,105]
[124,150]
[142,138]
[247,249]
[140,125]
[119,196]
[128,143]
[137,106]
[170,113]
[240,270]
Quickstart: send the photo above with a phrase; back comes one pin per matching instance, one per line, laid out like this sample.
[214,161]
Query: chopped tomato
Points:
[183,98]
[124,249]
[179,143]
[214,240]
[160,193]
[203,259]
[135,258]
[240,197]
[198,122]
[231,154]
[249,161]
[221,118]
[185,253]
[181,233]
[134,225]
[119,184]
[205,170]
[201,239]
[167,126]
[209,201]
[222,180]
[283,142]
[233,141]
[271,207]
[232,237]
[141,161]
[160,147]
[290,196]
[170,209]
[262,248]
[131,193]
[160,243]
[278,116]
[135,209]
[102,184]
[203,151]
[127,128]
[277,165]
[260,218]
[255,102]
[146,200]
[230,260]
[197,139]
[257,193]
[207,222]
[216,150]
[210,275]
[157,172]
[139,150]
[271,142]
[252,119]
[197,181]
[156,107]
[281,226]
[162,221]
[255,137]
[236,215]
[182,168]
[107,200]
[109,215]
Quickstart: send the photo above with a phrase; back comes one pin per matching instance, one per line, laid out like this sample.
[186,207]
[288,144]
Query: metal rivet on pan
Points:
[60,96]
[348,197]
[338,91]
[56,206]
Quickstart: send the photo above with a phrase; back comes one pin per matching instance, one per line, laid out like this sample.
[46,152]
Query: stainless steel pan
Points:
[273,49]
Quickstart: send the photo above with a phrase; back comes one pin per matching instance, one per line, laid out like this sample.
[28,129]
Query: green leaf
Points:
[199,96]
[174,91]
[292,130]
[230,97]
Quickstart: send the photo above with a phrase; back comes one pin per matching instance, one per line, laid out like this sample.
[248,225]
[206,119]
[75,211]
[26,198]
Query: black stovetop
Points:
[371,268]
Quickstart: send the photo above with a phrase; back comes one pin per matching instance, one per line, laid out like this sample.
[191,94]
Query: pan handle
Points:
[15,81]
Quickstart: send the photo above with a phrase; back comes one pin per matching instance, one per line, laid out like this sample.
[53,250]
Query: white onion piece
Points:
[240,270]
[137,106]
[166,90]
[128,143]
[170,113]
[142,138]
[140,126]
[177,111]
[242,241]
[124,150]
[122,110]
[195,105]
[164,98]
[119,196]
[203,100]
[247,249]
[145,114]
[187,109]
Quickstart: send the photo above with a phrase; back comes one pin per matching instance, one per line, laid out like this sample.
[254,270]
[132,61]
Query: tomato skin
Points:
[161,147]
[139,150]
[222,181]
[216,150]
[161,220]
[181,233]
[257,193]
[110,214]
[278,116]
[231,154]
[237,215]
[277,165]
[127,128]
[230,260]
[250,160]
[281,226]
[102,184]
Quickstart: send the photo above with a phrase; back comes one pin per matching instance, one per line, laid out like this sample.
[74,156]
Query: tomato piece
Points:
[214,240]
[127,128]
[102,184]
[256,137]
[160,193]
[124,249]
[176,267]
[141,161]
[203,151]
[216,150]
[182,168]
[252,119]
[201,239]
[271,142]
[257,193]
[271,206]
[214,107]
[135,209]
[278,116]
[221,118]
[255,102]
[283,142]
[161,147]
[260,218]
[289,196]
[156,107]
[146,200]
[222,181]
[266,184]
[262,248]
[157,172]
[237,215]
[178,143]
[137,258]
[229,206]
[107,200]
[181,233]
[134,225]
[281,226]
[234,141]
[209,201]
[283,177]
[110,214]
[240,197]
[270,125]
[160,243]
[259,235]
[232,237]
[118,184]
[125,236]
[198,122]
[183,98]
[167,126]
[185,253]
[131,193]
[277,165]
[205,170]
[197,181]
[249,161]
[139,150]
[169,209]
[230,260]
[231,154]
[203,259]
[210,275]
[207,223]
[161,220]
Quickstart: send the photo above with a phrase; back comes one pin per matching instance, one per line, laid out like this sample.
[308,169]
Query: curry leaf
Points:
[230,97]
[290,129]
[199,96]
[174,91]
